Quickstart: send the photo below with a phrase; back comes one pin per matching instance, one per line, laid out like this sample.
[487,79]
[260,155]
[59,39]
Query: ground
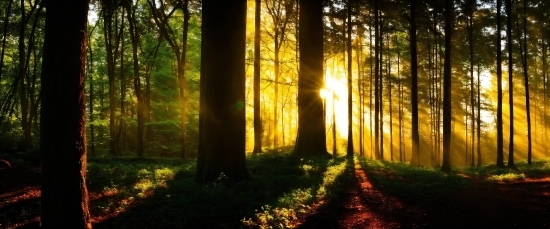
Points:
[524,204]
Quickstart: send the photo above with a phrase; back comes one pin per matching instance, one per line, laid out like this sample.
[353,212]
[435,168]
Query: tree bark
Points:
[511,163]
[447,116]
[415,157]
[350,88]
[311,138]
[500,131]
[222,108]
[64,198]
[257,104]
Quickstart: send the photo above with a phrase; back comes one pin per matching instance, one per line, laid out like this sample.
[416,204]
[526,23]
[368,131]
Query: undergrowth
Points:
[163,193]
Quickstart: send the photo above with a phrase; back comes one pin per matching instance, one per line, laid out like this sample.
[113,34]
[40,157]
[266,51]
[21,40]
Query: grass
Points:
[162,193]
[430,184]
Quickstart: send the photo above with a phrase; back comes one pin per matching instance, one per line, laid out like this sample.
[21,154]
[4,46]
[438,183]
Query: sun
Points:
[335,97]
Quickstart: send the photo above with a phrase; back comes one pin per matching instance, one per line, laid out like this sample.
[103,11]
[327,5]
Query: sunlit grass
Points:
[163,193]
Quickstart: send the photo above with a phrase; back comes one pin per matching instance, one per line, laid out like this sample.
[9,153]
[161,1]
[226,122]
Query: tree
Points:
[446,166]
[222,109]
[415,158]
[257,104]
[508,6]
[63,136]
[311,138]
[500,132]
[350,91]
[161,19]
[134,37]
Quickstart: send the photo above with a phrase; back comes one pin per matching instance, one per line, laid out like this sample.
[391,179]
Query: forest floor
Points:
[518,204]
[362,204]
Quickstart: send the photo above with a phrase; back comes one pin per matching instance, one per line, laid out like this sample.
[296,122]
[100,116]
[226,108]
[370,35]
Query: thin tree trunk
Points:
[500,131]
[4,36]
[511,163]
[350,88]
[257,104]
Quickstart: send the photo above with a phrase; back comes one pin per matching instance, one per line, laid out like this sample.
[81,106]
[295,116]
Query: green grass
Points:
[430,184]
[163,193]
[411,183]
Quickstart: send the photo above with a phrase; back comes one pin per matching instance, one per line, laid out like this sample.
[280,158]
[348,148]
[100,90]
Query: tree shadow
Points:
[185,203]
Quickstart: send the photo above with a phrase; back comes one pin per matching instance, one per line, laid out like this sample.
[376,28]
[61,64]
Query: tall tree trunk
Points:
[350,88]
[182,81]
[471,46]
[447,116]
[23,97]
[500,131]
[257,106]
[4,36]
[523,52]
[376,79]
[64,199]
[222,109]
[122,71]
[311,138]
[89,71]
[511,163]
[478,115]
[108,12]
[415,158]
[131,13]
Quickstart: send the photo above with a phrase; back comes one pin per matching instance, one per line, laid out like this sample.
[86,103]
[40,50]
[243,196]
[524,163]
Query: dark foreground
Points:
[363,204]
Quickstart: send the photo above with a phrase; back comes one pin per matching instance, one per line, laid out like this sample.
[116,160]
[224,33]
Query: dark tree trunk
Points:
[350,88]
[64,200]
[471,47]
[134,37]
[415,141]
[500,131]
[222,108]
[4,36]
[311,138]
[257,104]
[523,52]
[511,163]
[376,80]
[108,9]
[447,116]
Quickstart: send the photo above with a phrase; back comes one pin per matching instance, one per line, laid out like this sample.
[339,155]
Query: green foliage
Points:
[413,183]
[163,193]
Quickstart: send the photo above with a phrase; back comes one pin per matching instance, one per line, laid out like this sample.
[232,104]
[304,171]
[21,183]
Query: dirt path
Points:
[481,205]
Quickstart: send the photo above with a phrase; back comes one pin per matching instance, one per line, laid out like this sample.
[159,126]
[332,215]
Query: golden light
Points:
[335,95]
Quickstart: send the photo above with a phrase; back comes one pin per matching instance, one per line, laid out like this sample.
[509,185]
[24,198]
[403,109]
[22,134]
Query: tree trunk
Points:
[376,80]
[415,157]
[108,11]
[257,105]
[311,138]
[471,46]
[524,51]
[64,198]
[131,13]
[500,131]
[447,116]
[4,36]
[350,88]
[222,108]
[511,163]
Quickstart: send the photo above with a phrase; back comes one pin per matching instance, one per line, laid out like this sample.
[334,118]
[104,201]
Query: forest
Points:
[274,113]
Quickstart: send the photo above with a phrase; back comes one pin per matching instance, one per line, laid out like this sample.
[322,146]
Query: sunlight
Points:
[335,95]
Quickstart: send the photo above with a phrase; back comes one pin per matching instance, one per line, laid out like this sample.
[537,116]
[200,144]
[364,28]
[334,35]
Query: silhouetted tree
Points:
[63,134]
[222,108]
[311,138]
